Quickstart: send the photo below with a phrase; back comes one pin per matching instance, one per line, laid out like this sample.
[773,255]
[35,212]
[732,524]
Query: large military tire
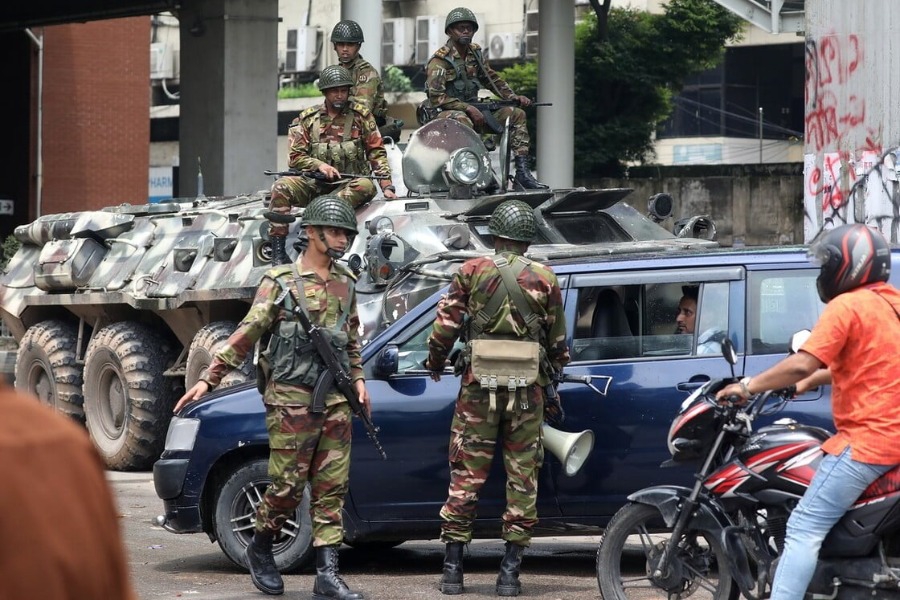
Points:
[46,367]
[235,516]
[127,400]
[205,344]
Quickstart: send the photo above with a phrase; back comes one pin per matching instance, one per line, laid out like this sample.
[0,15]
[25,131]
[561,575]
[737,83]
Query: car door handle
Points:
[688,386]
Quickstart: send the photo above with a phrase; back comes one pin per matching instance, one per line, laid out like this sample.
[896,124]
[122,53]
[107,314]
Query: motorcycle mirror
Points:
[798,339]
[729,353]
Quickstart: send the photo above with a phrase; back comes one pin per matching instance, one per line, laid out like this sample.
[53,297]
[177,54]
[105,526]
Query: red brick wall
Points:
[96,114]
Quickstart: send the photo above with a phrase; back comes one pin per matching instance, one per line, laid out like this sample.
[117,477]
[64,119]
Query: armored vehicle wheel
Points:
[127,400]
[206,343]
[46,367]
[236,513]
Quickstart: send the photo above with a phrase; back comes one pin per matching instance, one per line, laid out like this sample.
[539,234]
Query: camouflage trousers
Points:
[518,130]
[297,190]
[307,447]
[473,440]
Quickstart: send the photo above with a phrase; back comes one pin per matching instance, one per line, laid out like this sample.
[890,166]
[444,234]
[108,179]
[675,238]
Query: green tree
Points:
[9,247]
[629,65]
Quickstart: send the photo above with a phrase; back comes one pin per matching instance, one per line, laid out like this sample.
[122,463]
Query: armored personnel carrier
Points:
[116,310]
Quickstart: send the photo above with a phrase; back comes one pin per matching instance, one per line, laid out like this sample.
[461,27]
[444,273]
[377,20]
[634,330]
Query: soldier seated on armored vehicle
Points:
[336,143]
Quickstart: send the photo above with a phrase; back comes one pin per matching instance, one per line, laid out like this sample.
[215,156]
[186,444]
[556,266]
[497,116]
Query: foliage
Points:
[625,83]
[7,249]
[395,81]
[305,90]
[523,79]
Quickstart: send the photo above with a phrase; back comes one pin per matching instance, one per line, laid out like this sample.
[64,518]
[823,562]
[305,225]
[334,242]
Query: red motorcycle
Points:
[723,536]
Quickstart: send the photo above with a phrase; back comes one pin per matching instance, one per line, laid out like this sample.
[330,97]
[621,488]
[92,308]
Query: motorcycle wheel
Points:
[630,546]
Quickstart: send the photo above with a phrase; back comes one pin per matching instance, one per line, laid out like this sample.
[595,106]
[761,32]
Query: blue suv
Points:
[620,309]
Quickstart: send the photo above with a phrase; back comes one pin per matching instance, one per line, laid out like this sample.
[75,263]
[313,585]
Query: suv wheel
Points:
[236,513]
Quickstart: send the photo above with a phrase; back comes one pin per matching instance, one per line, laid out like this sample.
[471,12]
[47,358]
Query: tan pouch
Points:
[509,364]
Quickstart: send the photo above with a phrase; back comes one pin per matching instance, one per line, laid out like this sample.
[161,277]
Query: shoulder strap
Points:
[301,298]
[888,303]
[508,274]
[480,60]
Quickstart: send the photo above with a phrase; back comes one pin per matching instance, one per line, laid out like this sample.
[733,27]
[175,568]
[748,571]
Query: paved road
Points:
[164,565]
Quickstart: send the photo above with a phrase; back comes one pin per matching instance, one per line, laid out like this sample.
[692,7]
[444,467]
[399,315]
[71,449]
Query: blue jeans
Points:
[837,484]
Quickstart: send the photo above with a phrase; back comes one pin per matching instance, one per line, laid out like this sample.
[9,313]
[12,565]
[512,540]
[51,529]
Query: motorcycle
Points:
[722,537]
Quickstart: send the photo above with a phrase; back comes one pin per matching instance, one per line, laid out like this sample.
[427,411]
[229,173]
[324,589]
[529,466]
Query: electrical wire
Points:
[766,125]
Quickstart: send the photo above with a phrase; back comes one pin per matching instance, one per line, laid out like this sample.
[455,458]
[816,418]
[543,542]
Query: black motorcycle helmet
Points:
[849,256]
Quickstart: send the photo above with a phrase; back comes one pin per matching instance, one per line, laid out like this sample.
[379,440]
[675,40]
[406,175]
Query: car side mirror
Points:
[388,361]
[728,351]
[798,339]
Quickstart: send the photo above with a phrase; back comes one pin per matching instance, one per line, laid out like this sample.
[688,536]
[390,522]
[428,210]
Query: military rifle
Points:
[334,374]
[487,106]
[321,176]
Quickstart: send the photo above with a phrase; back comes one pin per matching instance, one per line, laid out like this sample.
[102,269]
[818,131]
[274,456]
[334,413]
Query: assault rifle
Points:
[334,374]
[487,106]
[321,176]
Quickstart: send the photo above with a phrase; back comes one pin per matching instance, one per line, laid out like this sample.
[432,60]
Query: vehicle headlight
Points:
[381,225]
[464,166]
[182,433]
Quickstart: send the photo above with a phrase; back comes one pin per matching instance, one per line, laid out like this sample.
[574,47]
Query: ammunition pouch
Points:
[505,364]
[292,357]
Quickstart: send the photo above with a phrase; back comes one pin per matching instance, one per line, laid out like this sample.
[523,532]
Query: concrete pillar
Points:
[556,81]
[228,95]
[369,16]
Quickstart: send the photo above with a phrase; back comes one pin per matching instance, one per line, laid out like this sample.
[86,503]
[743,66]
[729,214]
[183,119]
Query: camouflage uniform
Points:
[443,72]
[367,88]
[305,446]
[473,434]
[314,138]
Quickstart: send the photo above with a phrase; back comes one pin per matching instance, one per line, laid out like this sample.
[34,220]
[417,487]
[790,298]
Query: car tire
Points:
[46,367]
[207,341]
[235,515]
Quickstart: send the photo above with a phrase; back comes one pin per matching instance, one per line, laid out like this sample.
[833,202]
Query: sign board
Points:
[160,184]
[7,207]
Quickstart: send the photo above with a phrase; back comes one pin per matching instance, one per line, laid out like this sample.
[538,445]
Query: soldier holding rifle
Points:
[309,432]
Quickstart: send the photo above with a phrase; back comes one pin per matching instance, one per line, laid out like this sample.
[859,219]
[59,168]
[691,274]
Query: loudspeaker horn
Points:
[572,449]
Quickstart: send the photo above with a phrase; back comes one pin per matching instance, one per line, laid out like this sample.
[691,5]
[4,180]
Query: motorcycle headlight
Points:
[182,433]
[464,166]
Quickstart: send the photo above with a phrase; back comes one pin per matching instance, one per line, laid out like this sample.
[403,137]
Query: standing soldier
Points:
[457,71]
[347,38]
[338,136]
[509,298]
[308,443]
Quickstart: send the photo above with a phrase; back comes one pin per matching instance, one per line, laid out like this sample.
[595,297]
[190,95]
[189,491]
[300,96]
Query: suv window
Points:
[781,303]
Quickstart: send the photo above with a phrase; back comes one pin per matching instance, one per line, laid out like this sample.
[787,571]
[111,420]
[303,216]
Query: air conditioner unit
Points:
[505,44]
[429,37]
[397,41]
[162,61]
[531,33]
[300,50]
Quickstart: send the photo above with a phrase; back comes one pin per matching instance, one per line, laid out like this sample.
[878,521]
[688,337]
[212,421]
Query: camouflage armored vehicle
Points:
[116,310]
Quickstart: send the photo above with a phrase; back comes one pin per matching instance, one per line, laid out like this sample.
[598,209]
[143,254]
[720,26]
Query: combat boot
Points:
[328,583]
[279,253]
[261,562]
[452,577]
[508,580]
[524,178]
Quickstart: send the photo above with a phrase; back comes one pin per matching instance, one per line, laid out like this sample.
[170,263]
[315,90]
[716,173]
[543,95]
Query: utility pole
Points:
[760,133]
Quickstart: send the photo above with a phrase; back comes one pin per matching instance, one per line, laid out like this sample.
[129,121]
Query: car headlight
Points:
[464,166]
[381,225]
[182,433]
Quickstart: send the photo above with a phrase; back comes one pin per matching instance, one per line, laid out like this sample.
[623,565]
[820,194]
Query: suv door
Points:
[623,325]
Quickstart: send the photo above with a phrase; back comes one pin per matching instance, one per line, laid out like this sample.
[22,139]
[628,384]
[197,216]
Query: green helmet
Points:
[460,14]
[334,76]
[330,211]
[513,220]
[347,31]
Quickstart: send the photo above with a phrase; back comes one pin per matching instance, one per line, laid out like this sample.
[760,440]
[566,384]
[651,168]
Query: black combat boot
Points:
[279,253]
[452,577]
[265,576]
[328,583]
[508,580]
[524,178]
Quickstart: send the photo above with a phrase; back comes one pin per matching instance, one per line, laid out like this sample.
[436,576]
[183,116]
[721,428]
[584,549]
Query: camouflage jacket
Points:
[314,125]
[476,281]
[326,301]
[441,72]
[368,89]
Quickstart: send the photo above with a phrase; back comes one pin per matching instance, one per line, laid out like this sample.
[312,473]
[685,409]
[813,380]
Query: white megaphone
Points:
[572,449]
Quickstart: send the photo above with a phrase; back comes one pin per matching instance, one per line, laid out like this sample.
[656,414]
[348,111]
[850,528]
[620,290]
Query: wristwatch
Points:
[745,386]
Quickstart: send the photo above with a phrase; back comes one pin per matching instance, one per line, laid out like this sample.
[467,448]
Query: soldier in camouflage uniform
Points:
[456,72]
[477,423]
[338,136]
[347,38]
[308,443]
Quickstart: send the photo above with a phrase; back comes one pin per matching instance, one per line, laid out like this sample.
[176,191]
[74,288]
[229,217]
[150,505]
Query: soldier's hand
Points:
[328,171]
[389,192]
[476,116]
[200,388]
[363,394]
[435,374]
[524,101]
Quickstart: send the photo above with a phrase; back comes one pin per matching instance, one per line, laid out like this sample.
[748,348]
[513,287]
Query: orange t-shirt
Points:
[858,338]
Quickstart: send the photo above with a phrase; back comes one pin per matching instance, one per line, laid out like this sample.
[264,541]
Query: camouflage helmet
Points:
[334,76]
[347,31]
[460,14]
[330,211]
[513,220]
